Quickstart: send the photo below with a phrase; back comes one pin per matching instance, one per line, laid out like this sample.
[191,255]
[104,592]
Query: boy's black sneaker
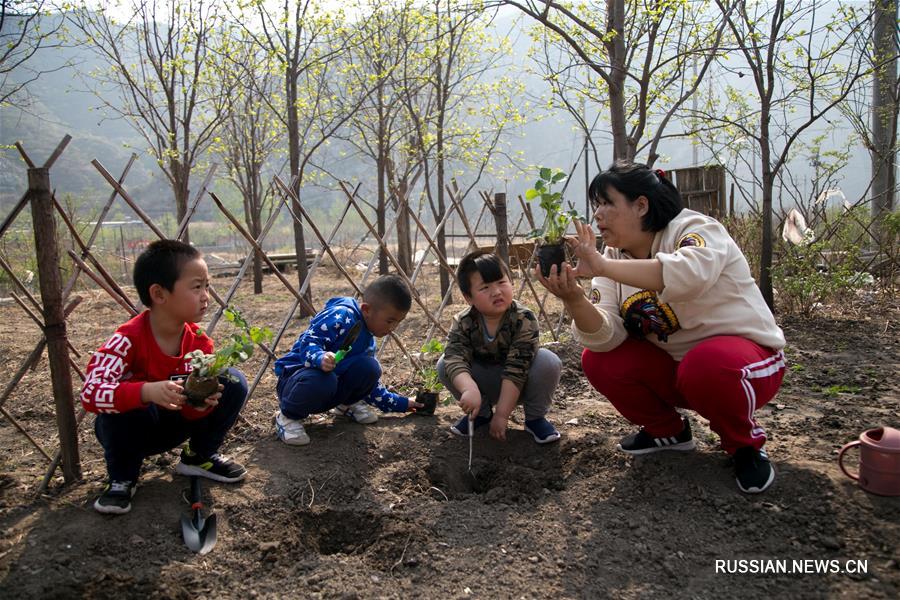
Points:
[644,443]
[216,467]
[116,498]
[752,469]
[462,426]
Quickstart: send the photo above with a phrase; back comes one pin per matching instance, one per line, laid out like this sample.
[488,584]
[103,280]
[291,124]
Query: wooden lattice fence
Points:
[58,305]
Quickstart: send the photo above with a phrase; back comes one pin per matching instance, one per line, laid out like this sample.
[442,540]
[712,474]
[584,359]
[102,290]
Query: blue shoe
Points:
[542,430]
[462,426]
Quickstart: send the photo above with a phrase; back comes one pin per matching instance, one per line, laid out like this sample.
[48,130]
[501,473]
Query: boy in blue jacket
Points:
[314,377]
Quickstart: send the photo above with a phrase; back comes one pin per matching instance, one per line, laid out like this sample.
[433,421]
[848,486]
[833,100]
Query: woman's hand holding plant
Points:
[590,262]
[563,285]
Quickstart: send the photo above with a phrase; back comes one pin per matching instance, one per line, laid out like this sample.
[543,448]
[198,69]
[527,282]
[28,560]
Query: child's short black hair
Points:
[484,262]
[391,290]
[633,180]
[161,263]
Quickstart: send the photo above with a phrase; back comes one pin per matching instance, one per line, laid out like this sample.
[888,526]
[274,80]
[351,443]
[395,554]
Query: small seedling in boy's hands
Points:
[206,369]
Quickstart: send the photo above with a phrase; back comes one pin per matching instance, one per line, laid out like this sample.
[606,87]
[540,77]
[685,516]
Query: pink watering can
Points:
[879,461]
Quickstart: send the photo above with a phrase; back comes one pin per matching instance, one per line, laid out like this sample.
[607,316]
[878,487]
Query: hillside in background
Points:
[61,104]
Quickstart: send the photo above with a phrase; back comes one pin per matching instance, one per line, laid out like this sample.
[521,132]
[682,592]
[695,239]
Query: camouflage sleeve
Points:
[458,351]
[522,349]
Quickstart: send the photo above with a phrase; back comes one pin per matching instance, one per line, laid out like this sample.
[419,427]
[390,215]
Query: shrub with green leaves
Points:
[236,348]
[889,234]
[556,219]
[803,282]
[746,231]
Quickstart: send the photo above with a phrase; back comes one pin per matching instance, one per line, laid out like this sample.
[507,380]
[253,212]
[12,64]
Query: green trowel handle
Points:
[341,354]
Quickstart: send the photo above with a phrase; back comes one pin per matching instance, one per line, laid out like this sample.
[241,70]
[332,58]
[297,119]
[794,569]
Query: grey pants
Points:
[543,377]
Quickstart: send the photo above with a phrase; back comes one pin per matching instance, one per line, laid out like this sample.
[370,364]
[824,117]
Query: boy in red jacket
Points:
[134,381]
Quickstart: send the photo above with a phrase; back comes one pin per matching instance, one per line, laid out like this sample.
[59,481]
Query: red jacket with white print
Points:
[130,358]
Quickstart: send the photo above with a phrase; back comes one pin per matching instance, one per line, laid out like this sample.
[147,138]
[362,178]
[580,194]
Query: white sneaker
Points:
[290,431]
[359,412]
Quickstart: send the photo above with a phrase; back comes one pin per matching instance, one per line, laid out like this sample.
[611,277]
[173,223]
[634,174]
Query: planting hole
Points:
[498,482]
[338,531]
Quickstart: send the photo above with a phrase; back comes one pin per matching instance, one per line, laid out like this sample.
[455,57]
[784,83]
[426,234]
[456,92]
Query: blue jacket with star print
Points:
[327,332]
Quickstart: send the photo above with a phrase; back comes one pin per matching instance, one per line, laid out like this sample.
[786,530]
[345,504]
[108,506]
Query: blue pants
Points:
[127,438]
[304,391]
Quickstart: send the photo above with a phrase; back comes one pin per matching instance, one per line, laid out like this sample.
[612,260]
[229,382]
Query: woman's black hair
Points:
[486,264]
[633,180]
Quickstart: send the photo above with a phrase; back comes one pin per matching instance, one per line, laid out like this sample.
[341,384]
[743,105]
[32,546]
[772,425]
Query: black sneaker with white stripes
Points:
[644,443]
[752,469]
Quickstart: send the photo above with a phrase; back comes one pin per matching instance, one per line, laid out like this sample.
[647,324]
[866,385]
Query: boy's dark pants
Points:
[305,391]
[129,437]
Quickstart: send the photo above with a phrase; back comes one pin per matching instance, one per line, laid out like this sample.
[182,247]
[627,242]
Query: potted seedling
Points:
[551,248]
[206,369]
[429,384]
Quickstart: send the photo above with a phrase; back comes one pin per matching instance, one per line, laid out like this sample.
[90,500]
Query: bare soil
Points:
[388,510]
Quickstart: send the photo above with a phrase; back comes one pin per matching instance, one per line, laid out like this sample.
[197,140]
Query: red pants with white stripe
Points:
[723,378]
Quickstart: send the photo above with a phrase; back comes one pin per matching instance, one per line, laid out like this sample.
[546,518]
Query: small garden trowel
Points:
[199,532]
[348,341]
[471,439]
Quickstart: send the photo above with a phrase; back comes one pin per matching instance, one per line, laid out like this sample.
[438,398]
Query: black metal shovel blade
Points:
[199,533]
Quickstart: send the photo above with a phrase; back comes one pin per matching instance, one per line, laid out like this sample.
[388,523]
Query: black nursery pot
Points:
[549,255]
[429,399]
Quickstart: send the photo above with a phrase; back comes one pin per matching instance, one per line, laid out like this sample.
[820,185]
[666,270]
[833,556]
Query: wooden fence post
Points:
[502,227]
[43,217]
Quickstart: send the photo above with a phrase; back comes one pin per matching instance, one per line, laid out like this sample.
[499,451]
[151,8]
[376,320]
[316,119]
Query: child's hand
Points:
[413,405]
[167,394]
[214,399]
[470,402]
[328,362]
[498,427]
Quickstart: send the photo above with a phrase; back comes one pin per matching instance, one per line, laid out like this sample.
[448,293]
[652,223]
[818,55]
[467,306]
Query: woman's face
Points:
[619,221]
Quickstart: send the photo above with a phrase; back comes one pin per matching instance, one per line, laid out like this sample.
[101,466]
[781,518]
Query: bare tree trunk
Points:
[442,210]
[255,231]
[382,204]
[768,185]
[615,24]
[294,152]
[404,244]
[884,111]
[180,190]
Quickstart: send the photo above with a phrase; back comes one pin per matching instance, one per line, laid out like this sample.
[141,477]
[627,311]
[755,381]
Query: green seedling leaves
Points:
[556,220]
[238,348]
